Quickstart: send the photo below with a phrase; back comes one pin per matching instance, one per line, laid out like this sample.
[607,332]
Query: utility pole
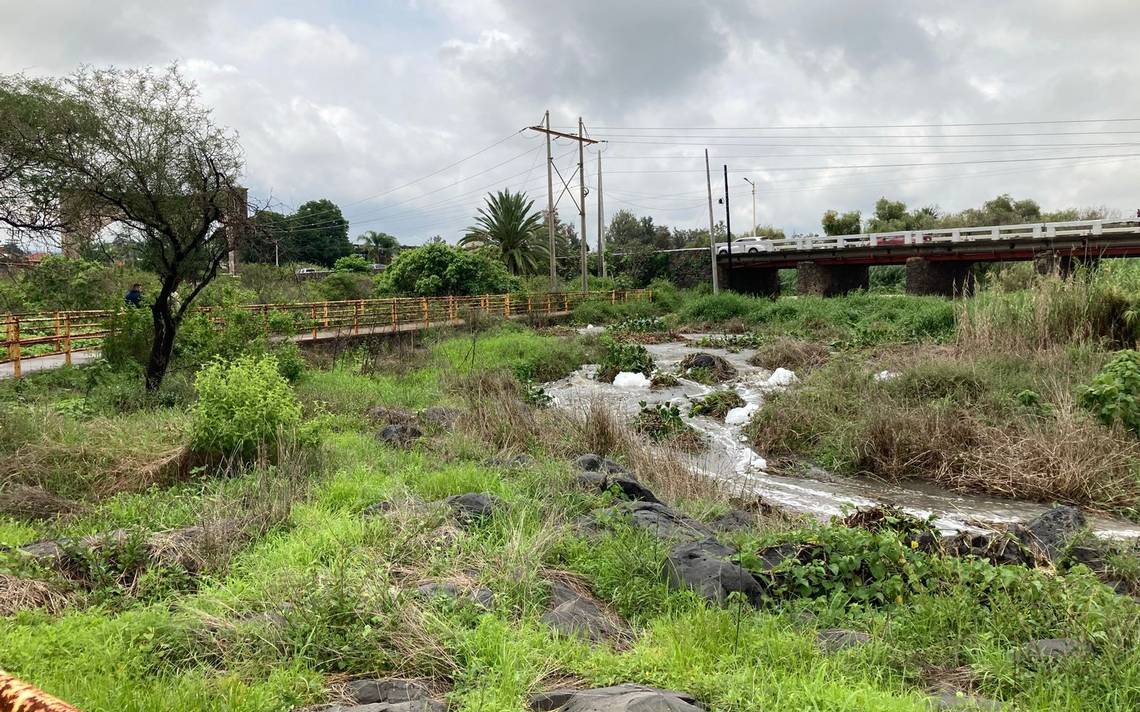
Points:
[552,202]
[712,233]
[754,225]
[582,200]
[550,207]
[728,226]
[601,224]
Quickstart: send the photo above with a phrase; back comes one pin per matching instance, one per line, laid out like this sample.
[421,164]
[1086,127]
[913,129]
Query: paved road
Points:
[43,363]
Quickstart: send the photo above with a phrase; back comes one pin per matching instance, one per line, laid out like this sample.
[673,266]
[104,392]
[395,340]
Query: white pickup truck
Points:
[746,245]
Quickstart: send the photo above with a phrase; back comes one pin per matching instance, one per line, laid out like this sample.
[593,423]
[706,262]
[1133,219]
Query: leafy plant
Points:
[663,422]
[663,379]
[351,263]
[640,325]
[241,404]
[1114,394]
[716,404]
[625,357]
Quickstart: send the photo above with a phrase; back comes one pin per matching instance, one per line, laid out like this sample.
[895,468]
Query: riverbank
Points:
[444,527]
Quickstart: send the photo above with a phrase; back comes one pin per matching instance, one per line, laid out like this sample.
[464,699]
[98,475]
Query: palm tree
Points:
[508,224]
[381,245]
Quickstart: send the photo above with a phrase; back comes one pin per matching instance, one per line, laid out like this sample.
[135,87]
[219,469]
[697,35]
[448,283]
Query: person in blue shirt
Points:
[134,296]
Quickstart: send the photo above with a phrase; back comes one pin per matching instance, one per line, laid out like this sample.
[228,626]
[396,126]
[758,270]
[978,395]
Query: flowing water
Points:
[730,459]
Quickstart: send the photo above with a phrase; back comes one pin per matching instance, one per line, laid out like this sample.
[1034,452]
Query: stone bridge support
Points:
[1062,263]
[942,278]
[830,280]
[758,281]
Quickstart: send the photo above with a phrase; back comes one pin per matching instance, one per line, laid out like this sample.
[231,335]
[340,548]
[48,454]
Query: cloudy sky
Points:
[405,112]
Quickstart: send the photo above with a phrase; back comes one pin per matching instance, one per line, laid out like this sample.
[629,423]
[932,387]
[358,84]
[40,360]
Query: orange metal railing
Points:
[19,696]
[66,332]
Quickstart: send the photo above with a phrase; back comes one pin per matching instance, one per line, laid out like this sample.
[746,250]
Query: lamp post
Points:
[753,205]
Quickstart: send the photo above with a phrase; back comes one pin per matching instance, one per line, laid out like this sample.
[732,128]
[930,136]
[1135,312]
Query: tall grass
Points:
[1100,306]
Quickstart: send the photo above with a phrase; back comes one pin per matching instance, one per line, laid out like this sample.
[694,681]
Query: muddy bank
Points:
[730,459]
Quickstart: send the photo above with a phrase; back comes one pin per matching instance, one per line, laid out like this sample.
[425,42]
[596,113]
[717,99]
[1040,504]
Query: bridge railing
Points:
[1030,231]
[63,333]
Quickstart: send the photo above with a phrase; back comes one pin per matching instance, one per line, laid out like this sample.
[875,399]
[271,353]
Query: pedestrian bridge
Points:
[34,342]
[937,261]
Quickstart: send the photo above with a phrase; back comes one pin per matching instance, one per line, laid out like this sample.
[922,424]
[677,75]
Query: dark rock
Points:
[620,698]
[1049,649]
[733,520]
[833,640]
[1052,532]
[400,434]
[626,484]
[591,481]
[772,556]
[702,567]
[366,692]
[481,596]
[410,706]
[474,506]
[718,368]
[516,461]
[389,416]
[660,519]
[596,463]
[1091,555]
[439,417]
[573,614]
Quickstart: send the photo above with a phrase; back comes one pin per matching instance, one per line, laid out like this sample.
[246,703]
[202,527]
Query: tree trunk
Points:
[165,327]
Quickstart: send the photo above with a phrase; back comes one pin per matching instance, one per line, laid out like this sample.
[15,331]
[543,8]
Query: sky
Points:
[406,113]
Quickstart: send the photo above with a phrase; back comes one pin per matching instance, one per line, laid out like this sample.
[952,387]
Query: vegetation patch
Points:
[623,357]
[1113,396]
[662,422]
[242,405]
[716,404]
[798,355]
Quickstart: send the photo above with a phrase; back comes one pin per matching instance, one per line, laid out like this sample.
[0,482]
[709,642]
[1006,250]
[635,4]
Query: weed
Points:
[621,357]
[1114,394]
[242,405]
[716,404]
[663,422]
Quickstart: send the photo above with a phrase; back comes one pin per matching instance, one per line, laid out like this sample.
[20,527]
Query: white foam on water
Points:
[782,377]
[631,381]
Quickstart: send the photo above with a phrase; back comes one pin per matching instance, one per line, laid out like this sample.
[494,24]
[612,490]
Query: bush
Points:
[226,332]
[129,337]
[627,357]
[352,263]
[346,286]
[716,404]
[241,404]
[437,269]
[1114,394]
[290,362]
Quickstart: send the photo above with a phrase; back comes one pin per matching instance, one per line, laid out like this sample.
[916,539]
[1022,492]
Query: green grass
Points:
[528,355]
[337,580]
[855,320]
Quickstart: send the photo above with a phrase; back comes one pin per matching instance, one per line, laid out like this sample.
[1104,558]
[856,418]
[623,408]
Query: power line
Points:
[877,165]
[791,127]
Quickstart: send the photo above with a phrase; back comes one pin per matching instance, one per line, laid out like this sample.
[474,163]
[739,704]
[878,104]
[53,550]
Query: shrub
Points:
[241,404]
[352,263]
[129,336]
[225,332]
[627,357]
[437,269]
[345,286]
[1114,394]
[290,362]
[716,404]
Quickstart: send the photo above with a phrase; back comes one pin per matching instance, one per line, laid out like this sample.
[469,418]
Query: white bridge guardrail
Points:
[1034,231]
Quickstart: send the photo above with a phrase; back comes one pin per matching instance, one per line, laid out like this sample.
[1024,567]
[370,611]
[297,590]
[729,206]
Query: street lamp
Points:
[753,205]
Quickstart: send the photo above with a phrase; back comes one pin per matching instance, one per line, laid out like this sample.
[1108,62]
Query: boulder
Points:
[625,484]
[474,506]
[703,566]
[620,698]
[438,417]
[718,368]
[399,434]
[833,640]
[575,615]
[596,463]
[1052,532]
[480,595]
[515,461]
[660,519]
[733,520]
[384,695]
[1049,649]
[389,416]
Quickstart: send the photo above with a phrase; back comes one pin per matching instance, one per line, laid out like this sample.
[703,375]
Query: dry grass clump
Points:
[495,411]
[1069,458]
[799,355]
[28,502]
[19,594]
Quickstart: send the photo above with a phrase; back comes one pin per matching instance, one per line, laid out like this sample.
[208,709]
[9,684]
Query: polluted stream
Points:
[730,459]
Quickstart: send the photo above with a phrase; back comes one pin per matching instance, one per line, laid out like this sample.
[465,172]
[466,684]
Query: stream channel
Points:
[730,458]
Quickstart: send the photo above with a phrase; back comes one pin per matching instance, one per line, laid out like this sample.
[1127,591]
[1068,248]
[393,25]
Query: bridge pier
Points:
[757,281]
[830,280]
[1062,264]
[942,278]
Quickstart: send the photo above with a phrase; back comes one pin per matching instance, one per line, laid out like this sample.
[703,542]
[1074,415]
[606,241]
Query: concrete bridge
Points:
[937,261]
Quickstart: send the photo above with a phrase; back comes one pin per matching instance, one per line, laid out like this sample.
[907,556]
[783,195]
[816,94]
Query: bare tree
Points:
[135,146]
